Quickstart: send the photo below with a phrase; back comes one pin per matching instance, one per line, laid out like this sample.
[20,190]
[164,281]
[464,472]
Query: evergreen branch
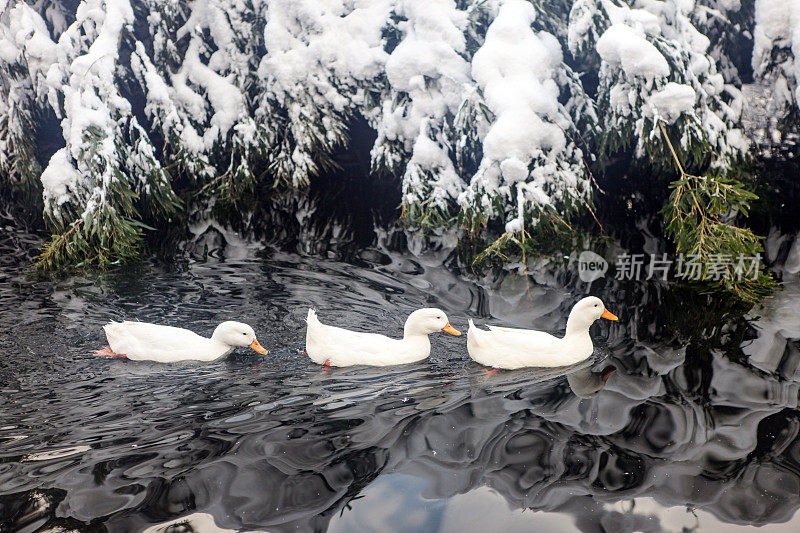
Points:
[49,258]
[695,218]
[671,148]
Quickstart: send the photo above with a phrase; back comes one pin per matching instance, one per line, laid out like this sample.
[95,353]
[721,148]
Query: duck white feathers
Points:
[511,348]
[341,347]
[142,341]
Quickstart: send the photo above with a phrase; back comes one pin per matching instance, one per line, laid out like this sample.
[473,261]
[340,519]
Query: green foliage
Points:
[109,229]
[107,235]
[699,217]
[100,240]
[425,216]
[551,236]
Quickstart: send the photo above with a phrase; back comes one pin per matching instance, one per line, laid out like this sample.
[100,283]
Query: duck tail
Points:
[112,327]
[312,316]
[472,334]
[472,339]
[114,332]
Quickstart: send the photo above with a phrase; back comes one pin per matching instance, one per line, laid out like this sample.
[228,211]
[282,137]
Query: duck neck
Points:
[576,326]
[410,332]
[215,337]
[418,345]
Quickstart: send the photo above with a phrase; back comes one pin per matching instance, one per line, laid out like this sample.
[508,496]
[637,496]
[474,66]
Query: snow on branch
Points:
[529,159]
[427,82]
[108,159]
[320,65]
[481,108]
[655,67]
[776,50]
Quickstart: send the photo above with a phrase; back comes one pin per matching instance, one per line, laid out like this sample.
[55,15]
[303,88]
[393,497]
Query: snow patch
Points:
[628,49]
[59,178]
[778,27]
[517,68]
[673,100]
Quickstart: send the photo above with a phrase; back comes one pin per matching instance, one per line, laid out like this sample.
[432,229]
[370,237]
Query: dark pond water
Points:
[696,431]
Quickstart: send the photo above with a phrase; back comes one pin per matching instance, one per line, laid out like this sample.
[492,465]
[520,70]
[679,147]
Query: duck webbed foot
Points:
[108,353]
[489,373]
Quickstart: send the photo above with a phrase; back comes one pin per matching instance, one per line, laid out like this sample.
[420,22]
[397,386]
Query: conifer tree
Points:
[485,111]
[776,58]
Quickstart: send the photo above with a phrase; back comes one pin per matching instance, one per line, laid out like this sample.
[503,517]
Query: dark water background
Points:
[698,430]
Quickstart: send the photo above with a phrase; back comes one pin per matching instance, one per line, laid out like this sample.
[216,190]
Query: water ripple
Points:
[277,443]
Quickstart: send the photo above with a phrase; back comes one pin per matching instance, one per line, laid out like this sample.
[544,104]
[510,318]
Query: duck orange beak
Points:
[451,330]
[608,315]
[257,347]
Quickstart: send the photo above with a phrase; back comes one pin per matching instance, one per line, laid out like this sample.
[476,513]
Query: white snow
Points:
[627,48]
[778,26]
[225,98]
[644,19]
[514,225]
[325,39]
[59,178]
[8,51]
[513,170]
[673,100]
[516,69]
[428,156]
[27,33]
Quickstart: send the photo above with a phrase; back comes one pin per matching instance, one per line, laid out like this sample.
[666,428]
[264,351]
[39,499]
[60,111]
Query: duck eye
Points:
[245,333]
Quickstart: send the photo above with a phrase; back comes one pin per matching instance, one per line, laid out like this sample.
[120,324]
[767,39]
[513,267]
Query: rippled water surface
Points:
[697,430]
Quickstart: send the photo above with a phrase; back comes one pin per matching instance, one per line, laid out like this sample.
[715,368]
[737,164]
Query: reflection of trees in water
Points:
[672,452]
[539,447]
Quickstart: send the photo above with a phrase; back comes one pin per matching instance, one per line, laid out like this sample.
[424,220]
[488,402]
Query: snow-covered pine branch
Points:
[91,184]
[776,54]
[427,82]
[482,108]
[321,65]
[530,160]
[655,66]
[728,24]
[17,105]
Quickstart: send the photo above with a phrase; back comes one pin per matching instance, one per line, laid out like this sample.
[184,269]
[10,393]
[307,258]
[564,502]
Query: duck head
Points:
[238,334]
[585,312]
[427,321]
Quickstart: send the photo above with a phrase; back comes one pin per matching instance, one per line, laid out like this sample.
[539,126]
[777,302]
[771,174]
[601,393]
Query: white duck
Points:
[141,341]
[334,346]
[511,348]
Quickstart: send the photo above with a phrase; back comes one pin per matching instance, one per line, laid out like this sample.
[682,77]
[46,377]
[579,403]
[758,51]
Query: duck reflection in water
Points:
[587,384]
